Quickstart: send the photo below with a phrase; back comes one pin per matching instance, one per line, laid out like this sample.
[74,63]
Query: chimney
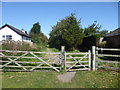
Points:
[24,31]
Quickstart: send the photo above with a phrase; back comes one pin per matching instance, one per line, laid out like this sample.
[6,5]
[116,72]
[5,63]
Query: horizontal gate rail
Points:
[108,55]
[107,64]
[77,53]
[28,62]
[7,60]
[13,51]
[78,62]
[108,49]
[108,61]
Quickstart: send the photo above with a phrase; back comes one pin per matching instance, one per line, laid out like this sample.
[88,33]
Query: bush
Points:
[12,45]
[90,41]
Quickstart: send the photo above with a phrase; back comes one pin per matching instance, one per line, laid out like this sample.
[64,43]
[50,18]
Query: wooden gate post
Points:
[96,63]
[89,58]
[93,58]
[63,57]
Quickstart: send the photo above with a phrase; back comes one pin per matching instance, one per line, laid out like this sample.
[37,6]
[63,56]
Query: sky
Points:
[23,15]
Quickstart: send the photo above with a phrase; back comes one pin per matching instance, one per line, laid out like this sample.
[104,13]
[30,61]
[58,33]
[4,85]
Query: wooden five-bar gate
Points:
[58,61]
[37,61]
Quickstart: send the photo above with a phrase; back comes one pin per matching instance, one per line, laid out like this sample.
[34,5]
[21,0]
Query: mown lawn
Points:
[82,79]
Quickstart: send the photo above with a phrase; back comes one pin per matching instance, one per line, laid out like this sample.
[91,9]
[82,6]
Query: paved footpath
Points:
[66,77]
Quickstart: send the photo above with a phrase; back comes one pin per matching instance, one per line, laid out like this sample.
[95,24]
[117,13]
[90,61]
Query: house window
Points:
[28,38]
[8,37]
[23,38]
[3,37]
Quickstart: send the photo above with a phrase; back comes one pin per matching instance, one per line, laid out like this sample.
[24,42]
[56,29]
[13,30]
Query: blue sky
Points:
[23,15]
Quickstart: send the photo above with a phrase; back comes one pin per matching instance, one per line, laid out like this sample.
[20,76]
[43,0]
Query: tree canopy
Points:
[36,28]
[66,32]
[36,35]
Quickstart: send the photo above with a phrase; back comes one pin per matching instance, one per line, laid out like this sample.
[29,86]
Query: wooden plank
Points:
[74,62]
[108,49]
[65,61]
[77,53]
[78,69]
[18,56]
[47,53]
[80,65]
[114,68]
[108,55]
[13,51]
[74,57]
[94,58]
[117,62]
[63,57]
[89,59]
[30,66]
[12,70]
[29,62]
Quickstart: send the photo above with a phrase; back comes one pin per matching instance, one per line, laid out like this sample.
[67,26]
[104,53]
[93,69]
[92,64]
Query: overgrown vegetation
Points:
[36,35]
[23,46]
[13,45]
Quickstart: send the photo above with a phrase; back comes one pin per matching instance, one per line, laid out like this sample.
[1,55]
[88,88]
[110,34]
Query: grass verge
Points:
[82,79]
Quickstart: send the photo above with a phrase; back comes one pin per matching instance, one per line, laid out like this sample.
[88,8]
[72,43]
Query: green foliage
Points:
[92,36]
[103,32]
[92,29]
[12,45]
[89,41]
[67,33]
[36,35]
[36,28]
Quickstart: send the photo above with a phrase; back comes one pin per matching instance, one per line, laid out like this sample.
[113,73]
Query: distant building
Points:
[8,32]
[113,38]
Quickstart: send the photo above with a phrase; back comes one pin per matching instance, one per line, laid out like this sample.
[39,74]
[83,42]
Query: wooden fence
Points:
[102,59]
[58,61]
[35,61]
[76,61]
[28,61]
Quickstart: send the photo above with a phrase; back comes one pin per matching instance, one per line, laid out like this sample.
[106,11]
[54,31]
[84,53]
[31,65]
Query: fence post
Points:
[63,57]
[96,63]
[93,57]
[89,58]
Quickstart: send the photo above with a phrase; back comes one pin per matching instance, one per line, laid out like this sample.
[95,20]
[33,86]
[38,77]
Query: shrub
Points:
[12,45]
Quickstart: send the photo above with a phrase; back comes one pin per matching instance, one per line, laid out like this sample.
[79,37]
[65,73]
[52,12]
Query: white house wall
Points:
[7,31]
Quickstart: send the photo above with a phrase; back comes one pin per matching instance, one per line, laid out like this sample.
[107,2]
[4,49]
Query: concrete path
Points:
[66,77]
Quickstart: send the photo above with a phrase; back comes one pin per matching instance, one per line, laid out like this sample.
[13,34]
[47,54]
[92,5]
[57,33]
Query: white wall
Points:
[7,31]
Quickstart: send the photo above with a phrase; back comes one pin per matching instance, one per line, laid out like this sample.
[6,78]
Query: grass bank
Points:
[82,79]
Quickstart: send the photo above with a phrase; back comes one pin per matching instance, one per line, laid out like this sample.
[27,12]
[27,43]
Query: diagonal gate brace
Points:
[43,61]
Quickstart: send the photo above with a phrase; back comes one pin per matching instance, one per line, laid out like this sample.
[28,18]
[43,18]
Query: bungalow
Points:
[8,32]
[113,38]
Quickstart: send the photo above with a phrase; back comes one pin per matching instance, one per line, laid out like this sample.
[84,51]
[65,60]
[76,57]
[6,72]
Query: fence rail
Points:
[114,65]
[24,60]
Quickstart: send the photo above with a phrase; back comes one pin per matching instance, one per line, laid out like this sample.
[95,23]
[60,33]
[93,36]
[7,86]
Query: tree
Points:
[92,29]
[36,29]
[67,32]
[103,32]
[92,36]
[36,35]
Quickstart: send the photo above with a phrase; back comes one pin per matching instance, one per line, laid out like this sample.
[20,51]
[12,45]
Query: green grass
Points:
[82,79]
